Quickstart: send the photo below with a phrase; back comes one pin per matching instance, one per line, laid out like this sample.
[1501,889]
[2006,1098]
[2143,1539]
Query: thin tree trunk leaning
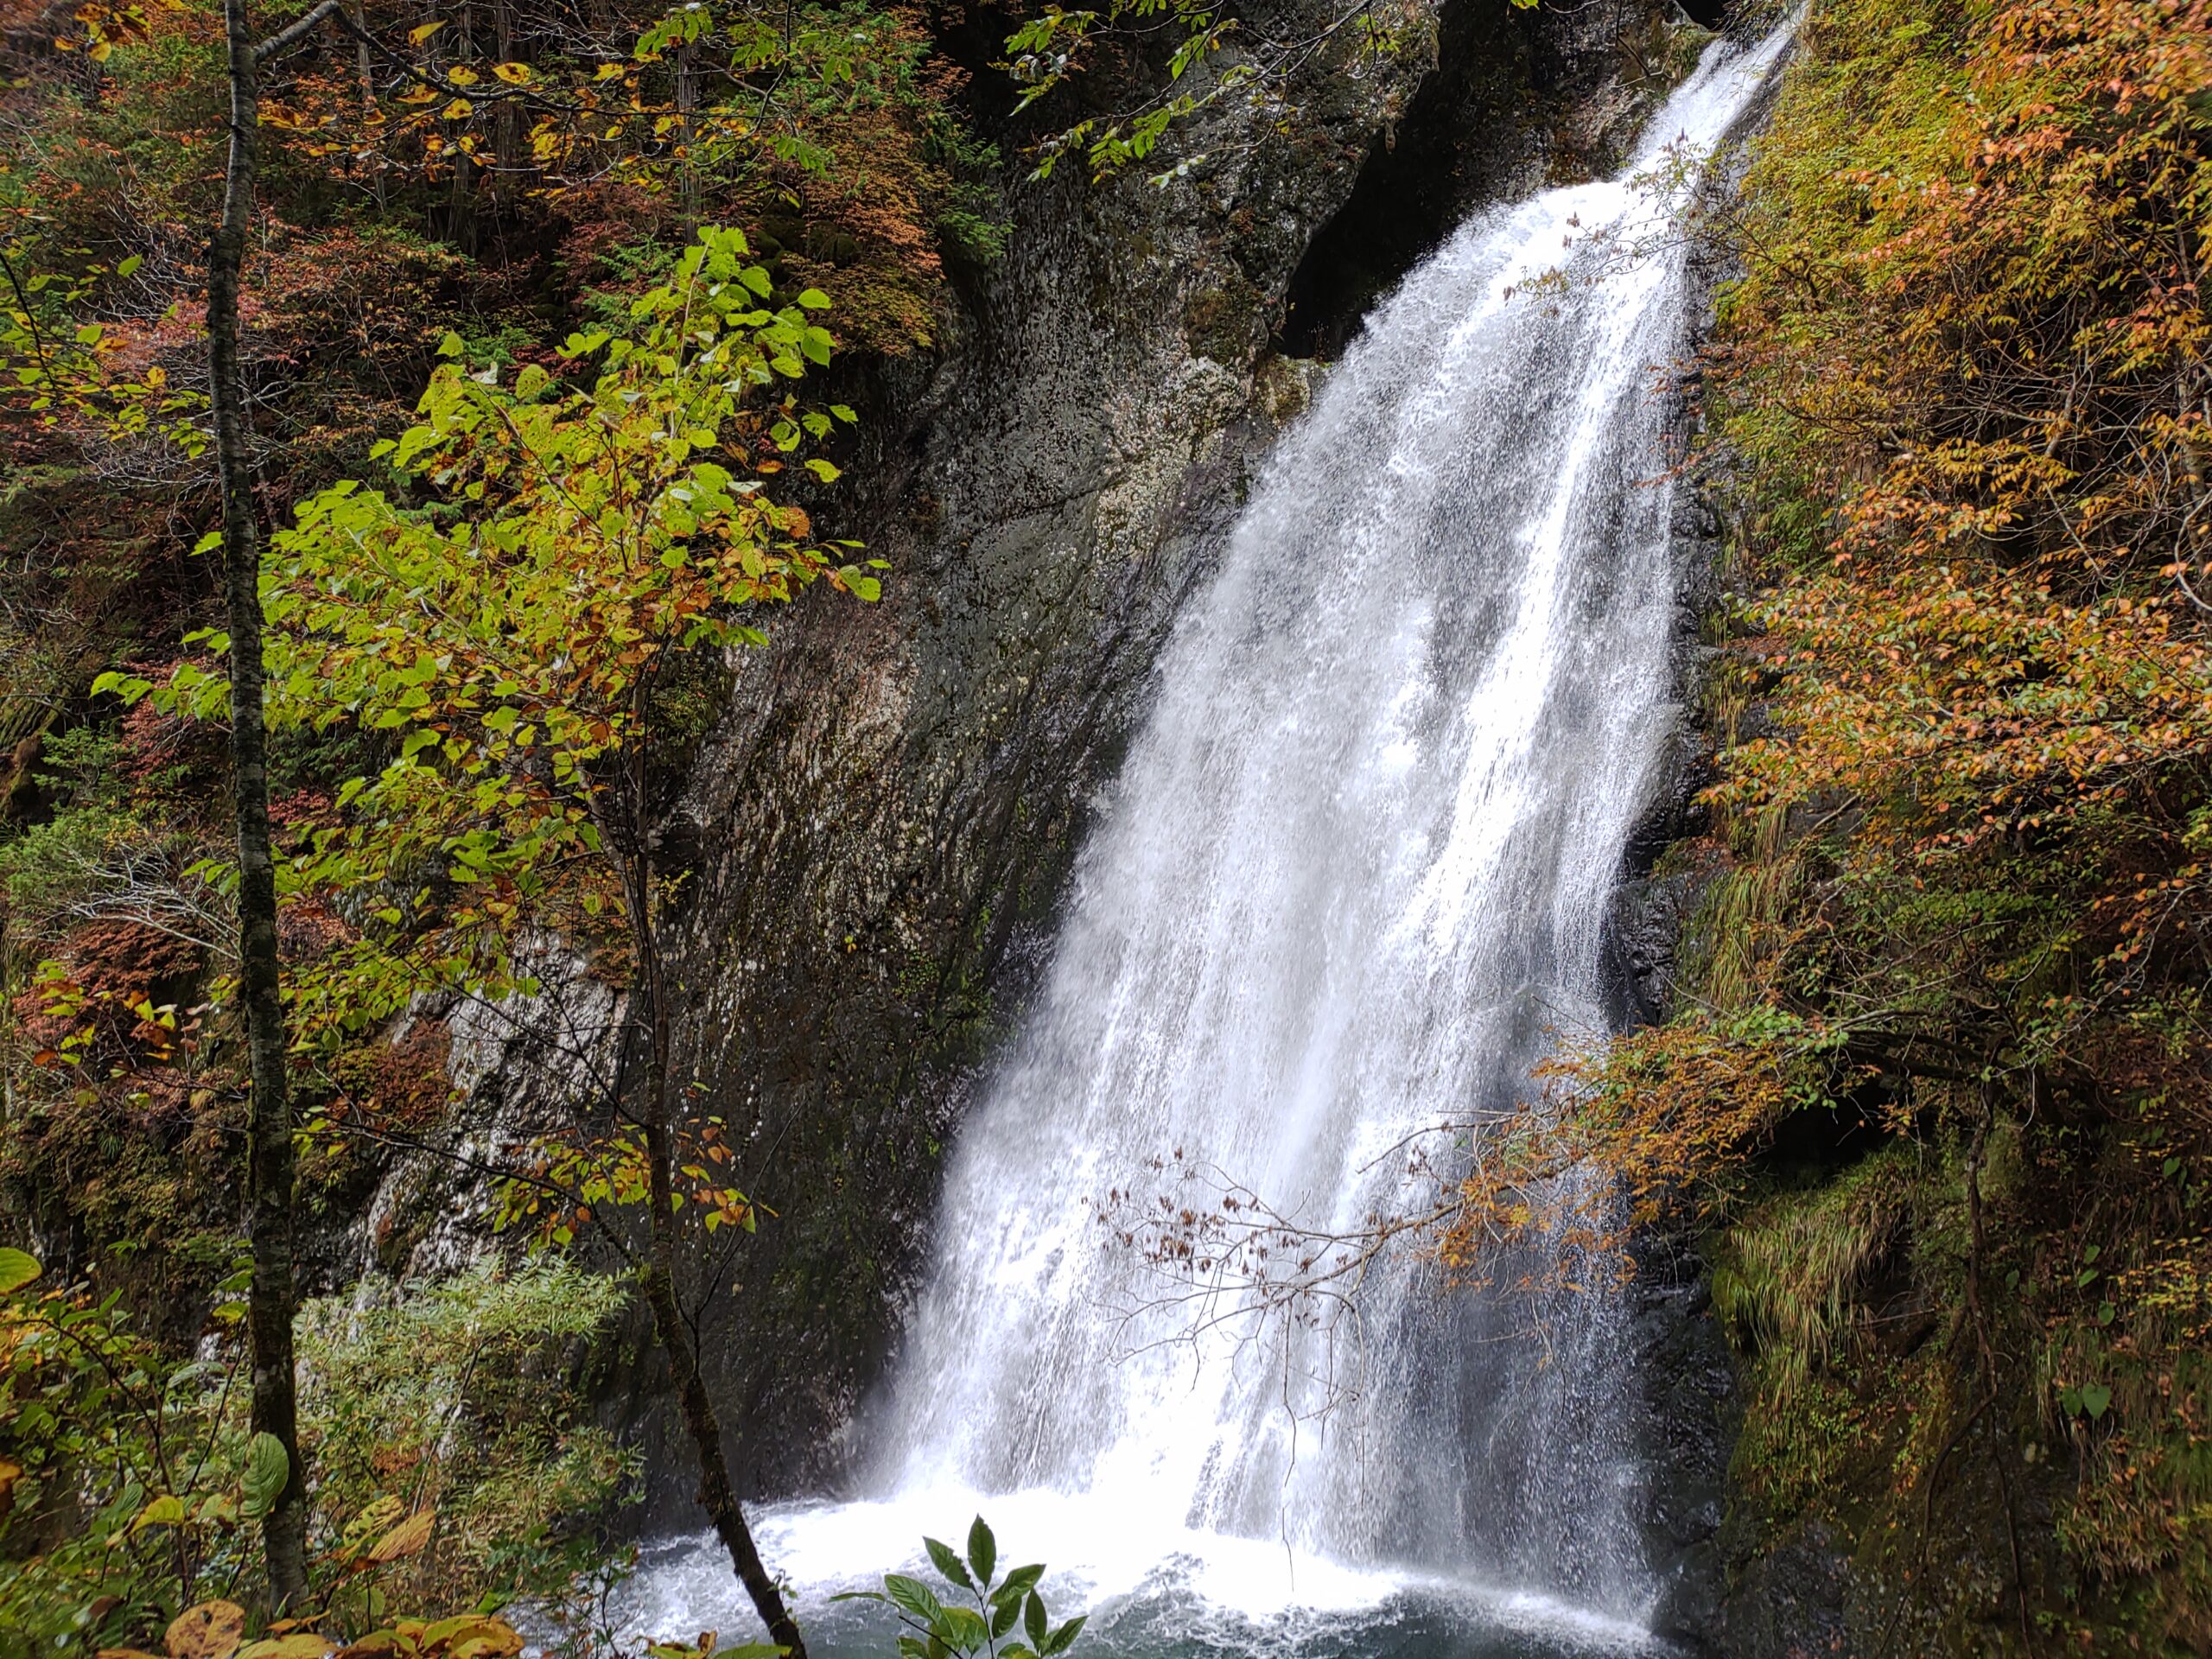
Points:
[716,1495]
[270,1162]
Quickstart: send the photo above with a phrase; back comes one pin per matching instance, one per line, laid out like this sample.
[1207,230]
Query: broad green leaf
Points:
[912,1595]
[17,1268]
[948,1563]
[961,1629]
[267,1470]
[982,1549]
[1033,1619]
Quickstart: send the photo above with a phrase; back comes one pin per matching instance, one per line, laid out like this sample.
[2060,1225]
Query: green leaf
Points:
[948,1563]
[1033,1619]
[814,299]
[128,267]
[912,1595]
[823,470]
[1017,1583]
[2095,1397]
[267,1468]
[452,345]
[961,1629]
[983,1550]
[1060,1638]
[752,1651]
[17,1268]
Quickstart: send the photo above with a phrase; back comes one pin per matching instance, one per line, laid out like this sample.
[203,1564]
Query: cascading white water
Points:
[1353,874]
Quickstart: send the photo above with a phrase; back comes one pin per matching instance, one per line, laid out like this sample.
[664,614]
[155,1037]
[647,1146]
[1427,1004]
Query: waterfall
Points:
[1350,882]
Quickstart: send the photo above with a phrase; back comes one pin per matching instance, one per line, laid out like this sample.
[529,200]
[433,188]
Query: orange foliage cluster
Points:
[1967,376]
[1999,371]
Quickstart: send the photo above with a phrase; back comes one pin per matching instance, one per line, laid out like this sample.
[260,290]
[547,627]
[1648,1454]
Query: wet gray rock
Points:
[884,819]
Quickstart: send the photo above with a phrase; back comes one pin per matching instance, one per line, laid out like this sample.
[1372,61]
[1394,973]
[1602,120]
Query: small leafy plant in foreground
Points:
[936,1629]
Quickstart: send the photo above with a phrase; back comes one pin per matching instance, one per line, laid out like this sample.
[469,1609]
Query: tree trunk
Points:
[269,1303]
[716,1495]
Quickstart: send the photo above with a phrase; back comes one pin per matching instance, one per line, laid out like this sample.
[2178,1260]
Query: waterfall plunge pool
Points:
[1192,1595]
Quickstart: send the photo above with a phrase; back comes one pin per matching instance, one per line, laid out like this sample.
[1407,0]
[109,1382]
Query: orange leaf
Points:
[406,1538]
[211,1630]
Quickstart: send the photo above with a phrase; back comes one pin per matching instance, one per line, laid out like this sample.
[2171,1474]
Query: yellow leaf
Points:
[300,1644]
[515,74]
[474,1639]
[406,1538]
[211,1630]
[461,75]
[459,110]
[17,1268]
[417,36]
[166,1510]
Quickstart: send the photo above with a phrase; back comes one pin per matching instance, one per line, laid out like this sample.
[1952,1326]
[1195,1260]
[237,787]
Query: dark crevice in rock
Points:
[1421,180]
[1519,98]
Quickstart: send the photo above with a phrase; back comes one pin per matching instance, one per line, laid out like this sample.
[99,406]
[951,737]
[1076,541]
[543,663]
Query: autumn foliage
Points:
[1957,921]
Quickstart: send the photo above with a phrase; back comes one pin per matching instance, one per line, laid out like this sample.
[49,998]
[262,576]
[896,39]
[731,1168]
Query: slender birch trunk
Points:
[270,1159]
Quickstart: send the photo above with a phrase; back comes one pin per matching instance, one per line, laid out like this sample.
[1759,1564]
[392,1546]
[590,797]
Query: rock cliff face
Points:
[880,821]
[883,819]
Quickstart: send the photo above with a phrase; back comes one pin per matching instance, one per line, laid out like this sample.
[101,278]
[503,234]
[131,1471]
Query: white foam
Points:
[1247,1596]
